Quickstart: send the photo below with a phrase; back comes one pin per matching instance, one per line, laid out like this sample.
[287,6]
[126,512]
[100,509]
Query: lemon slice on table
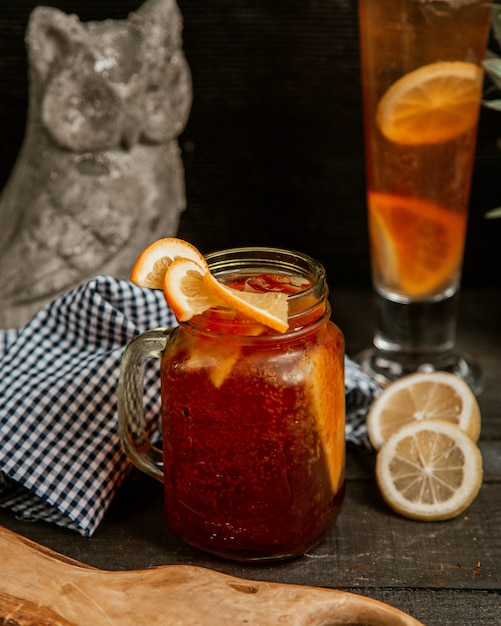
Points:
[421,397]
[429,471]
[431,104]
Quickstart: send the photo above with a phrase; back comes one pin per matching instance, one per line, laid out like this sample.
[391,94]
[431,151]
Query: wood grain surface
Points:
[39,584]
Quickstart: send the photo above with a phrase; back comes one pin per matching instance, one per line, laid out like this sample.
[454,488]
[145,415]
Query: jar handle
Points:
[131,421]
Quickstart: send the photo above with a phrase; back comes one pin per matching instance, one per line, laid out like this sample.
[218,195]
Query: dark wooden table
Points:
[444,573]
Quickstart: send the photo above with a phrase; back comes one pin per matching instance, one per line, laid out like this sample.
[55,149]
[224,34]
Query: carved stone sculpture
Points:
[99,175]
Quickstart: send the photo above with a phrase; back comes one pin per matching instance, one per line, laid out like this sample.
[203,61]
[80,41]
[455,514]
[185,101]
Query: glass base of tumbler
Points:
[417,336]
[385,368]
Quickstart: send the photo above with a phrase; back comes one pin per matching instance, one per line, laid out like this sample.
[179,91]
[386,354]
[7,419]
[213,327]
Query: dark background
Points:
[273,149]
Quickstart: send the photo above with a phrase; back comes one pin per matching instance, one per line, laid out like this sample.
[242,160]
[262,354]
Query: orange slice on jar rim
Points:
[432,104]
[191,290]
[181,271]
[417,245]
[151,265]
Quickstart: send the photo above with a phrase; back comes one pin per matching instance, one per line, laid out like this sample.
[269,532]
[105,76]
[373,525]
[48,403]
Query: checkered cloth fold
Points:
[60,458]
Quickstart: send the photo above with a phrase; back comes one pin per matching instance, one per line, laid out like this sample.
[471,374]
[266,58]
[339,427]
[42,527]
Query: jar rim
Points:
[294,260]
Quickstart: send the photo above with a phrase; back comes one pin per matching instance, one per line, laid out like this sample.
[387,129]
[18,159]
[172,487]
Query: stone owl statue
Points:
[99,175]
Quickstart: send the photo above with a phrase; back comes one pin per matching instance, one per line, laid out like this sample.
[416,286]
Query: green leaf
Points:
[492,66]
[494,213]
[492,104]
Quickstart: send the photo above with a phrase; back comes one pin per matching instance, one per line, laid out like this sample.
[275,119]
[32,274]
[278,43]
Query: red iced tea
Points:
[422,87]
[253,420]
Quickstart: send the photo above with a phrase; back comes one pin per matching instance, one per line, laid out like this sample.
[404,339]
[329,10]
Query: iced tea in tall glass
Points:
[422,81]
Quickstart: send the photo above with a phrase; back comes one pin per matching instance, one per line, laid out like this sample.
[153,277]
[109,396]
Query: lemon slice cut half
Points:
[422,397]
[429,471]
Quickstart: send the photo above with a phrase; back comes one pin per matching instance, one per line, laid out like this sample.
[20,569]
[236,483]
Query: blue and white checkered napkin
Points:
[60,458]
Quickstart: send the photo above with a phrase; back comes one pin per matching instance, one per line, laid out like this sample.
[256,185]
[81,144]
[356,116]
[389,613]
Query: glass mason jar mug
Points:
[252,420]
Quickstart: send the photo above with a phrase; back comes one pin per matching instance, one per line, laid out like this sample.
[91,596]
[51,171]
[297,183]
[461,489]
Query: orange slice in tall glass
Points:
[431,104]
[417,245]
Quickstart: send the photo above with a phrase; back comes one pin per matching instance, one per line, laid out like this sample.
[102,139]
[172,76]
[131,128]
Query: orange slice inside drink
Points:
[431,104]
[217,358]
[326,390]
[417,245]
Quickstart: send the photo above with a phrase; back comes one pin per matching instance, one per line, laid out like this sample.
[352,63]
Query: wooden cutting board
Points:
[39,586]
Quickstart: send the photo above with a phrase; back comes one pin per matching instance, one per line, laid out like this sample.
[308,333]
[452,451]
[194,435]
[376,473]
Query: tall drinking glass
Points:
[422,81]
